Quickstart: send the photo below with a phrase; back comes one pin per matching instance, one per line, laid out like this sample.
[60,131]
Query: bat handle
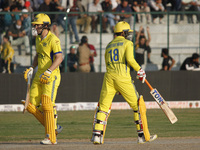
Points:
[148,84]
[24,110]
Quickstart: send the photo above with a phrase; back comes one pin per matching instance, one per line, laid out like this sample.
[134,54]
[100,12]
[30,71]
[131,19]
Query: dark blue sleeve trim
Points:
[57,52]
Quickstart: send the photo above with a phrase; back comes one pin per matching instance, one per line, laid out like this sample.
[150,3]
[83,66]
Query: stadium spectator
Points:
[190,5]
[109,17]
[35,4]
[18,36]
[96,7]
[7,54]
[156,6]
[191,63]
[93,54]
[27,5]
[115,4]
[48,6]
[72,18]
[146,9]
[135,8]
[72,59]
[15,8]
[168,61]
[59,18]
[124,8]
[84,54]
[142,45]
[26,21]
[7,18]
[177,8]
[83,20]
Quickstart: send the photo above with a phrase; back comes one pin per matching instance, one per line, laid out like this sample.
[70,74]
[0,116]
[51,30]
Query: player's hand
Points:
[45,77]
[141,75]
[28,72]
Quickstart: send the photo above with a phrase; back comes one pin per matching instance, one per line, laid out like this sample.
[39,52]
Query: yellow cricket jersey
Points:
[7,51]
[46,50]
[119,56]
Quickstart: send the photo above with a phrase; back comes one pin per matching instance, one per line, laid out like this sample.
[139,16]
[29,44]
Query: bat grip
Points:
[148,84]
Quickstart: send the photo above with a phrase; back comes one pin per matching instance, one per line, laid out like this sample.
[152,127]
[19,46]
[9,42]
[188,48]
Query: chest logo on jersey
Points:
[44,44]
[40,55]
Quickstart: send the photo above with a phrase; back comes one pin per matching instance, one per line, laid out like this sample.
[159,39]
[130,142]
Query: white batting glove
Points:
[141,75]
[28,72]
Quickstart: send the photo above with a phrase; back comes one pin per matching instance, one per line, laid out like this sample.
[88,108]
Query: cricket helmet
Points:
[42,19]
[122,26]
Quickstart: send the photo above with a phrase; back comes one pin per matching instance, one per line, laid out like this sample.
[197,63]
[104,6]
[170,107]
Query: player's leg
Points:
[35,99]
[8,66]
[50,113]
[48,120]
[103,110]
[128,91]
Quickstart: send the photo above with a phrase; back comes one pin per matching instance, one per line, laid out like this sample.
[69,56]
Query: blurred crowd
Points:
[17,26]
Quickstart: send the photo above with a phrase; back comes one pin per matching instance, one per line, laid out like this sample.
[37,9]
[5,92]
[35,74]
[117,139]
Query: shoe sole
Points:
[48,143]
[153,139]
[96,143]
[149,140]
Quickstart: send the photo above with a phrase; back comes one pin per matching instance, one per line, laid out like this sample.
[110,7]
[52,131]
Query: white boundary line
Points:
[92,106]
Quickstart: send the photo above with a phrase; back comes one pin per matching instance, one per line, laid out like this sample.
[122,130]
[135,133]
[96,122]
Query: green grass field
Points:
[16,126]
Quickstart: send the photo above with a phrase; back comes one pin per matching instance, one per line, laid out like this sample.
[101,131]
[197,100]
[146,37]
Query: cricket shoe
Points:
[141,140]
[59,129]
[97,139]
[47,141]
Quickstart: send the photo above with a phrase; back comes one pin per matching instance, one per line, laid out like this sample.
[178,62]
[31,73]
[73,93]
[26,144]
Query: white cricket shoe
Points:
[141,140]
[153,137]
[97,139]
[59,129]
[47,141]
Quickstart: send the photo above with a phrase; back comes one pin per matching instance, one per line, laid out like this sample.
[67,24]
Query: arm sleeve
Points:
[56,46]
[130,56]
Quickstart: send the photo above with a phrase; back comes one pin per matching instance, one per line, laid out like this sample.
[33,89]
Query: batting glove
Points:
[28,72]
[45,77]
[141,75]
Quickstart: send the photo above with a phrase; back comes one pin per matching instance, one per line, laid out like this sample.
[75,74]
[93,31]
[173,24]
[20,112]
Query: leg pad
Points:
[48,118]
[142,108]
[33,110]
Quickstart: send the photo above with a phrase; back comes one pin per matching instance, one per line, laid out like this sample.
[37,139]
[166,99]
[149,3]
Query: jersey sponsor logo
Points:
[57,42]
[44,44]
[115,44]
[157,96]
[40,55]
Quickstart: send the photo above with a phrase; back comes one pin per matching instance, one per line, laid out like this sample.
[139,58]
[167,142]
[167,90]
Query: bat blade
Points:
[27,94]
[164,106]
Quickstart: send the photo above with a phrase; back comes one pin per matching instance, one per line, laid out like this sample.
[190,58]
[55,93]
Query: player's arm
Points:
[35,61]
[130,57]
[141,75]
[149,37]
[173,62]
[46,76]
[29,71]
[58,60]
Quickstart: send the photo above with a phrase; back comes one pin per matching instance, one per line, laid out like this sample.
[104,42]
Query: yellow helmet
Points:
[41,19]
[122,26]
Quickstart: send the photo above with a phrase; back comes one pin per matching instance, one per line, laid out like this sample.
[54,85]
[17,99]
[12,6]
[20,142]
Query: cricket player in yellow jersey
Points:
[119,56]
[47,78]
[7,53]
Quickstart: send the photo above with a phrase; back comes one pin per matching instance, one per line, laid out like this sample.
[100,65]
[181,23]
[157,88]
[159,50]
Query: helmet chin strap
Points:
[43,27]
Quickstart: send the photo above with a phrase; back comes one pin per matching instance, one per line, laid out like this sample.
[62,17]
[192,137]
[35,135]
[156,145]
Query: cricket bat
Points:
[162,103]
[27,94]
